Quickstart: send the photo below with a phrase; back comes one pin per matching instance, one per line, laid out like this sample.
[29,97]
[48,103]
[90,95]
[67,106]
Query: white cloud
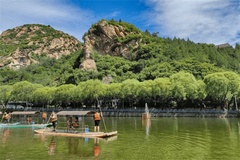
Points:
[60,15]
[205,21]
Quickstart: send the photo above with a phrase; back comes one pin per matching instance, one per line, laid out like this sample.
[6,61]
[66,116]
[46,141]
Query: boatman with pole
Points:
[6,118]
[97,120]
[54,120]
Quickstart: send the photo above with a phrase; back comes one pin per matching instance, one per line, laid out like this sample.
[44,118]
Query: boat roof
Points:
[74,113]
[23,112]
[0,112]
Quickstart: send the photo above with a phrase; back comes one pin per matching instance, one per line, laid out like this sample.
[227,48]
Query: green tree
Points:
[43,96]
[93,91]
[62,95]
[5,91]
[184,87]
[129,88]
[23,91]
[222,86]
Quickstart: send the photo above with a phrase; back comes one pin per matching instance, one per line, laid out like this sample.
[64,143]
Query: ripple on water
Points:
[185,144]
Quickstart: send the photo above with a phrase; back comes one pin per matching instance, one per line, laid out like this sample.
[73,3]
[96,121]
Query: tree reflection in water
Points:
[73,145]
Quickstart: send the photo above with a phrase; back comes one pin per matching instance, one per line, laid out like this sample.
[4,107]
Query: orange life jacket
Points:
[6,116]
[29,119]
[44,115]
[97,151]
[97,116]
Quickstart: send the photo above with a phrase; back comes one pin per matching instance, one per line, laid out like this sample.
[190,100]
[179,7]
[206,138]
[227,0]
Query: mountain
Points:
[113,51]
[22,45]
[110,38]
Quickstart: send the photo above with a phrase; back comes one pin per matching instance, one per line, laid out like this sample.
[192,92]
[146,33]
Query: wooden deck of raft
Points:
[75,134]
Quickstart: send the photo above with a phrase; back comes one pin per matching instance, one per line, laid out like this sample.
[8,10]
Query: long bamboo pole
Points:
[49,118]
[2,119]
[102,118]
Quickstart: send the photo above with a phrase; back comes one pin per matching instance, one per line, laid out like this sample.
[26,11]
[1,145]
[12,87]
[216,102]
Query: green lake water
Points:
[157,139]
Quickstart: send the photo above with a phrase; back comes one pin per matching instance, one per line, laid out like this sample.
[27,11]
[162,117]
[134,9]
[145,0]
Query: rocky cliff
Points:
[112,38]
[19,46]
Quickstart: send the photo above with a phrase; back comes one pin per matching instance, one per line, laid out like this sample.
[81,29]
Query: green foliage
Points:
[179,89]
[127,26]
[6,49]
[128,38]
[223,85]
[23,91]
[5,91]
[160,71]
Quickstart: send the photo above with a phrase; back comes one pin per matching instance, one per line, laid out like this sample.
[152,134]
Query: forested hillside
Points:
[133,67]
[25,45]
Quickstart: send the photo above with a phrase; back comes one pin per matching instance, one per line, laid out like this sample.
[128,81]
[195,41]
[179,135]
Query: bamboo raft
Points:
[23,125]
[49,131]
[84,132]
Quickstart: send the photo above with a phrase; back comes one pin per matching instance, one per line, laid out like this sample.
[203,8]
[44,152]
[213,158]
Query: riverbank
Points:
[171,113]
[162,112]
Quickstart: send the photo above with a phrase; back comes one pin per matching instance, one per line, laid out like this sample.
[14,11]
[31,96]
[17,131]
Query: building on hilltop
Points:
[225,45]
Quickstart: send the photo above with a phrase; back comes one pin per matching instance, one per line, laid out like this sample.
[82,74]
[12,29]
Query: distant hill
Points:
[112,52]
[21,46]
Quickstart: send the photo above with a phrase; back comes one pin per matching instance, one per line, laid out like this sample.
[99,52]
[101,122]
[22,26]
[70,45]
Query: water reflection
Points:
[52,147]
[147,124]
[96,148]
[73,145]
[238,128]
[167,138]
[6,133]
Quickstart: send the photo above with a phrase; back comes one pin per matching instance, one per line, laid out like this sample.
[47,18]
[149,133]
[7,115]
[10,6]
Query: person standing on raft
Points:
[44,117]
[97,120]
[54,120]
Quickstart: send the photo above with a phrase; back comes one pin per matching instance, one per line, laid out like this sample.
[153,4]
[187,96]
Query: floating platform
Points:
[48,131]
[19,125]
[146,116]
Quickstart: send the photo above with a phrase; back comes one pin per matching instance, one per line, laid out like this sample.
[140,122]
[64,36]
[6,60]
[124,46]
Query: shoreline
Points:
[214,113]
[171,113]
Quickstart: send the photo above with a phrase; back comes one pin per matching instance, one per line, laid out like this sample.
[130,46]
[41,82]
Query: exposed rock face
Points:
[103,38]
[24,42]
[88,64]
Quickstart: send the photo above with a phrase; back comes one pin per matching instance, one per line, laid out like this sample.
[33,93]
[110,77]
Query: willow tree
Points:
[23,91]
[113,92]
[62,94]
[145,91]
[222,87]
[184,87]
[161,90]
[129,88]
[77,95]
[43,96]
[93,90]
[5,91]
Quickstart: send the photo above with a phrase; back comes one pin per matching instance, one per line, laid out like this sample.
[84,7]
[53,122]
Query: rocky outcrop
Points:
[22,43]
[105,38]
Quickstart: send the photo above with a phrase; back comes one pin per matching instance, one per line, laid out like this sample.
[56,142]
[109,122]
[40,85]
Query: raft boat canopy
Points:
[0,112]
[23,112]
[74,113]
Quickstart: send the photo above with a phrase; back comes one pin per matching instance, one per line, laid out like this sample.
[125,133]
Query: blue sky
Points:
[202,21]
